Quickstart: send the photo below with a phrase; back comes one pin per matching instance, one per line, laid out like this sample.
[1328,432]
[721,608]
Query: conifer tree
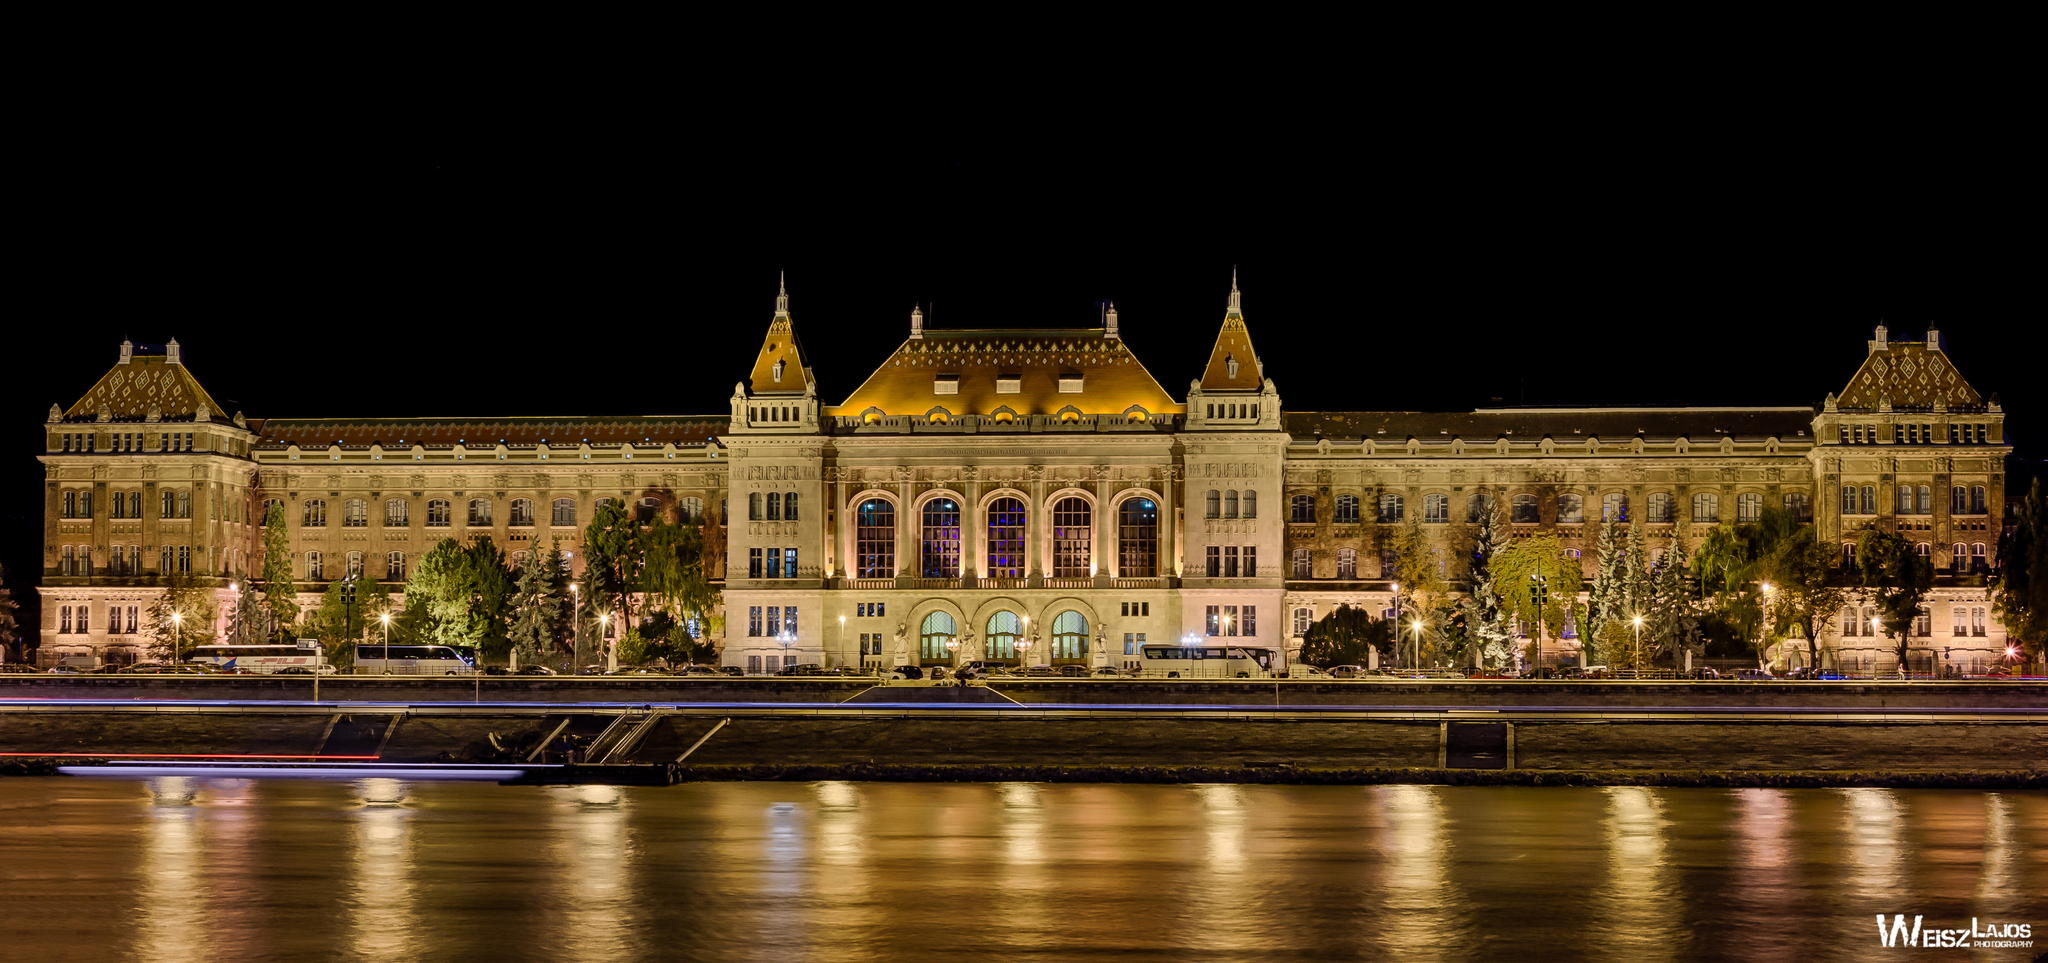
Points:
[1672,620]
[1485,617]
[537,606]
[2020,593]
[10,619]
[280,592]
[248,615]
[1607,600]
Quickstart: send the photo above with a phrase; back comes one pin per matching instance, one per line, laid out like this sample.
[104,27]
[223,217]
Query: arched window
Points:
[1976,499]
[1303,618]
[1230,504]
[1006,520]
[314,515]
[690,511]
[1073,538]
[1001,634]
[168,507]
[397,513]
[1345,512]
[565,512]
[1904,504]
[1869,500]
[932,636]
[939,543]
[355,513]
[754,513]
[479,511]
[1979,560]
[1958,500]
[1614,507]
[1706,507]
[1848,554]
[1137,538]
[353,563]
[1250,504]
[134,504]
[1848,499]
[1923,500]
[1392,507]
[1524,509]
[1214,504]
[1749,506]
[394,567]
[522,513]
[1347,563]
[1301,508]
[1069,637]
[874,538]
[1436,508]
[1660,506]
[437,513]
[1799,505]
[1571,508]
[313,567]
[1476,507]
[789,506]
[775,506]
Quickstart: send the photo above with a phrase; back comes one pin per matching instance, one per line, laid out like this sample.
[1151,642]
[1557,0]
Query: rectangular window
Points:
[1302,563]
[1213,556]
[1230,620]
[774,619]
[1250,625]
[1229,561]
[1976,622]
[1251,561]
[789,563]
[789,618]
[85,618]
[753,665]
[64,626]
[1213,620]
[753,621]
[132,622]
[753,563]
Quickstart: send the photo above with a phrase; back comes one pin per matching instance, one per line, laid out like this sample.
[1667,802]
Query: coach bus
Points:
[261,658]
[1205,662]
[374,658]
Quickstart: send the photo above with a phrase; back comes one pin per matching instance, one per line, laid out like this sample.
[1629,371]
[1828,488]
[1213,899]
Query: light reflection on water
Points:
[385,871]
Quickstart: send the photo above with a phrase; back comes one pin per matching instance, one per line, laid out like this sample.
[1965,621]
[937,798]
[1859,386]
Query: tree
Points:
[491,587]
[612,561]
[248,614]
[180,619]
[1536,580]
[1486,620]
[1738,560]
[340,624]
[1897,579]
[1607,600]
[1344,636]
[280,592]
[10,619]
[1802,570]
[1419,569]
[537,604]
[673,574]
[437,596]
[1671,617]
[2020,592]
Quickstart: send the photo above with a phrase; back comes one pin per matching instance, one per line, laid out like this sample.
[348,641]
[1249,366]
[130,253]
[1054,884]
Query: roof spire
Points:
[1109,322]
[781,294]
[916,321]
[1236,305]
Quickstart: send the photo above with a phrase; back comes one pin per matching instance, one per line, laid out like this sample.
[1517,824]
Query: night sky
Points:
[1412,263]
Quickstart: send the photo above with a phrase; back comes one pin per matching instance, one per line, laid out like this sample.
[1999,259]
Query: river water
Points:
[173,869]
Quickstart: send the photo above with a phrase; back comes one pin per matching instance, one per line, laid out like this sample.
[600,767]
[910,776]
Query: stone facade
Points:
[1027,495]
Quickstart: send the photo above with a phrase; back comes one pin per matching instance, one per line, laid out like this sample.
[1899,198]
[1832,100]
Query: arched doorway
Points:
[1069,638]
[1001,634]
[933,633]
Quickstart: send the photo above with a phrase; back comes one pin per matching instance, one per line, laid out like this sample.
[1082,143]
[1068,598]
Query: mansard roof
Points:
[781,368]
[1049,369]
[1908,374]
[1484,425]
[681,430]
[1233,365]
[150,383]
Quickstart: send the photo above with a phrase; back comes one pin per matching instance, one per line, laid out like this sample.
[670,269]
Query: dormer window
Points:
[1009,384]
[1230,365]
[946,384]
[778,370]
[1070,383]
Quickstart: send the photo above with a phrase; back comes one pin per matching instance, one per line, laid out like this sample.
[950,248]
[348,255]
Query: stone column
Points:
[971,525]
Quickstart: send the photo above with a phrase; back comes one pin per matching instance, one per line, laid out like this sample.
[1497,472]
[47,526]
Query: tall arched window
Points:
[874,539]
[565,512]
[1660,506]
[1137,541]
[789,506]
[314,515]
[314,569]
[394,567]
[1436,508]
[1923,500]
[939,541]
[1904,504]
[1869,499]
[353,563]
[1476,507]
[397,513]
[1706,507]
[1976,499]
[933,633]
[1002,632]
[1213,503]
[1614,505]
[1069,637]
[1524,508]
[690,511]
[1749,506]
[1230,504]
[1799,505]
[775,506]
[1006,520]
[754,507]
[1073,537]
[134,504]
[1393,507]
[1301,508]
[437,513]
[1345,512]
[1250,504]
[1958,500]
[355,513]
[480,511]
[1571,509]
[168,507]
[522,513]
[1347,563]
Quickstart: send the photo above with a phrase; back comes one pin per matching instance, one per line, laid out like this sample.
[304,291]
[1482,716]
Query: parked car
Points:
[803,669]
[1347,672]
[1109,672]
[535,668]
[905,672]
[65,670]
[1301,670]
[639,670]
[490,670]
[1753,675]
[699,670]
[18,668]
[732,670]
[165,668]
[985,667]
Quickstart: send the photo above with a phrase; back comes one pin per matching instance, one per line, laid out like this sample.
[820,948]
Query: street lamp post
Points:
[785,640]
[1397,615]
[178,635]
[385,619]
[1763,630]
[1417,626]
[611,650]
[1636,657]
[576,628]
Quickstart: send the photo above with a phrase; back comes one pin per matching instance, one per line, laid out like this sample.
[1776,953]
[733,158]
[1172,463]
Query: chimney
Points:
[1109,321]
[916,322]
[171,352]
[1933,338]
[1878,343]
[127,351]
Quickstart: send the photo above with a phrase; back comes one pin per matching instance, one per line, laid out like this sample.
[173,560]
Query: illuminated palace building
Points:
[1024,494]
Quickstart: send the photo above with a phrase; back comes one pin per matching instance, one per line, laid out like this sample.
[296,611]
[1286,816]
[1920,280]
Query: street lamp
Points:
[785,639]
[1397,611]
[1637,622]
[177,626]
[576,626]
[1417,626]
[385,618]
[1763,631]
[842,642]
[611,654]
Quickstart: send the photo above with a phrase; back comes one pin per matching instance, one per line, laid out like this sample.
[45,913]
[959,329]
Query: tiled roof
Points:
[147,387]
[1487,424]
[682,430]
[969,363]
[1908,374]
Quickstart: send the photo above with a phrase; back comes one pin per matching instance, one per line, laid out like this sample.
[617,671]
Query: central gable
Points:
[1026,371]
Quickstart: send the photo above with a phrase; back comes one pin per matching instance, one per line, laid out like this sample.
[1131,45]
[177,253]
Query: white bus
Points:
[1205,662]
[378,659]
[263,658]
